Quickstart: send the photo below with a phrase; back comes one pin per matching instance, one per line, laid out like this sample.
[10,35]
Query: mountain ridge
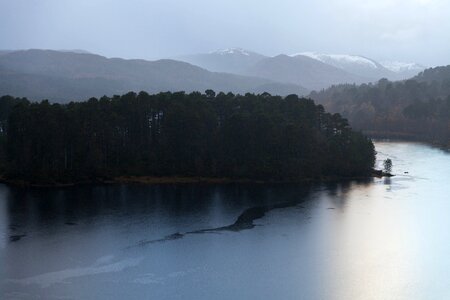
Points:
[65,76]
[231,60]
[358,68]
[313,74]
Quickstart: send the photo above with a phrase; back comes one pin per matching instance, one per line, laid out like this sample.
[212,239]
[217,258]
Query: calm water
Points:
[379,239]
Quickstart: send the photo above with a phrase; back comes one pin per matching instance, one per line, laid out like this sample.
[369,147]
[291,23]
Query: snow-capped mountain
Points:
[367,67]
[231,60]
[308,72]
[355,64]
[339,60]
[312,70]
[404,70]
[233,51]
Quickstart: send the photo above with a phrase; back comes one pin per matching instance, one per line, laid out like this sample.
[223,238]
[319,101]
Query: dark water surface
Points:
[378,239]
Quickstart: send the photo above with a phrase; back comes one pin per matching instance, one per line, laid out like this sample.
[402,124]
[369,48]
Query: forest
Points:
[259,137]
[417,109]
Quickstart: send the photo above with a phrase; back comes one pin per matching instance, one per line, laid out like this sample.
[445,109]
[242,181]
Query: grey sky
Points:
[405,30]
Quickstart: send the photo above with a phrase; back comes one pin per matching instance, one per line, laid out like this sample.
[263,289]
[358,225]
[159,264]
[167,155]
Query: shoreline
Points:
[155,180]
[405,137]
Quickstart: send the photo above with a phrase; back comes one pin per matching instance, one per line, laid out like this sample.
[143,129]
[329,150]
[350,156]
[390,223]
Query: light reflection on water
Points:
[378,239]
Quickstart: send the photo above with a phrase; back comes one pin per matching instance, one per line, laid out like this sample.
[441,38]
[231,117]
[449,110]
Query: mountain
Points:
[403,70]
[310,69]
[232,60]
[437,75]
[367,67]
[64,76]
[80,51]
[354,64]
[308,72]
[5,51]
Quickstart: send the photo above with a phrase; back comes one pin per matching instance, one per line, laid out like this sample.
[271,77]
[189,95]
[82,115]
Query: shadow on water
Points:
[247,217]
[244,221]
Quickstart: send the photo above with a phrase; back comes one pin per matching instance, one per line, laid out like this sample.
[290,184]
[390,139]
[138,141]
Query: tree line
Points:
[415,109]
[247,136]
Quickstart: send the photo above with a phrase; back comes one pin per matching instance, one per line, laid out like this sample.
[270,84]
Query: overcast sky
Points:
[405,30]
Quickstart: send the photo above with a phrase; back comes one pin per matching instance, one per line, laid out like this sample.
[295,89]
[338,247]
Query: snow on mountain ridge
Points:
[231,51]
[398,66]
[339,59]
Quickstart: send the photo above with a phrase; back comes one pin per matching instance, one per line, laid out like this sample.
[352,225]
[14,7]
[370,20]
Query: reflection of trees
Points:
[90,204]
[339,191]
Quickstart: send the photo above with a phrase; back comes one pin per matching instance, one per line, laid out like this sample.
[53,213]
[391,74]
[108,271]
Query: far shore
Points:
[406,137]
[154,180]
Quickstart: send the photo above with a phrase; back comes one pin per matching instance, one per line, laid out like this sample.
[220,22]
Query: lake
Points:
[383,238]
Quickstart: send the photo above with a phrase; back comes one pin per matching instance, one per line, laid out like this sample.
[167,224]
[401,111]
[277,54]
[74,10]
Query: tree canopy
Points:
[177,134]
[413,109]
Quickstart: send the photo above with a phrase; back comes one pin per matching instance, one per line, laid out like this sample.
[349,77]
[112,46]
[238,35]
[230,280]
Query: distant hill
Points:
[5,51]
[80,51]
[418,108]
[403,70]
[303,70]
[437,75]
[76,74]
[63,76]
[354,64]
[367,67]
[232,60]
[315,73]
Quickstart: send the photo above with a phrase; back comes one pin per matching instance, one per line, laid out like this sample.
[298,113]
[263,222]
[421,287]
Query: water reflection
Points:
[372,239]
[47,210]
[4,220]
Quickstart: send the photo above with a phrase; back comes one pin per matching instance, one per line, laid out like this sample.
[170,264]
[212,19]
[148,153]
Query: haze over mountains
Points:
[313,74]
[354,64]
[232,60]
[312,70]
[66,75]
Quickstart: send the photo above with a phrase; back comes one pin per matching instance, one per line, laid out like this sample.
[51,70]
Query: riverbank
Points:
[154,180]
